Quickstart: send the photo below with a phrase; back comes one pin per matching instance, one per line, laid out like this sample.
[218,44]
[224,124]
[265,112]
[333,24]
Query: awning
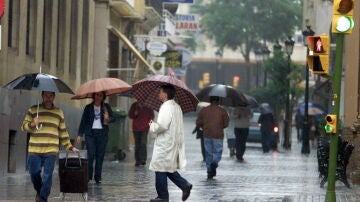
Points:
[130,45]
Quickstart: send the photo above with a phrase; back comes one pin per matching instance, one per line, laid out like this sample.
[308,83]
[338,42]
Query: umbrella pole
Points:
[37,116]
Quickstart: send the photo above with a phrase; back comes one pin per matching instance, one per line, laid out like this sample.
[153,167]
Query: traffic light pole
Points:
[330,192]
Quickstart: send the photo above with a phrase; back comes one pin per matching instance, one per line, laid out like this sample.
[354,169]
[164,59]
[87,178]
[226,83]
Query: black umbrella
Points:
[251,101]
[229,95]
[39,82]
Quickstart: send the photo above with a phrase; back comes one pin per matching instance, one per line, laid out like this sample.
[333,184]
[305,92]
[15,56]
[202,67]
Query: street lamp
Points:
[218,56]
[305,149]
[289,47]
[266,54]
[258,58]
[261,55]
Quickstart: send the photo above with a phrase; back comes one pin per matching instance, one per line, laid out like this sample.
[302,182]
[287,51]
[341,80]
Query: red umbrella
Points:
[147,92]
[109,85]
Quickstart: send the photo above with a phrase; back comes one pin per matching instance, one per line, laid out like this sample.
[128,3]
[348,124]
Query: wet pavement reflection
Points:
[273,177]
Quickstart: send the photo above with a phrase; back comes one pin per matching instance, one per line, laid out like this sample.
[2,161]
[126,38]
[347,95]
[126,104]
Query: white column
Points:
[22,28]
[90,42]
[78,52]
[53,36]
[66,45]
[39,32]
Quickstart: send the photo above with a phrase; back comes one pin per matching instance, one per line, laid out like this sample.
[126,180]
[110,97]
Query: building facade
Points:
[76,41]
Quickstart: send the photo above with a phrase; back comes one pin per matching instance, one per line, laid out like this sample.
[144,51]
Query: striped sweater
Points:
[46,140]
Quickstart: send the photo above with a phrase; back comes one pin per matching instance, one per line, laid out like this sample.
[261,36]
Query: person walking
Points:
[199,135]
[299,121]
[213,119]
[141,116]
[241,130]
[94,124]
[47,129]
[169,146]
[267,124]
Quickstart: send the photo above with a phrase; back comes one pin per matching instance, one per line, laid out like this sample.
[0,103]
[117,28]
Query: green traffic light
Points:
[344,24]
[328,128]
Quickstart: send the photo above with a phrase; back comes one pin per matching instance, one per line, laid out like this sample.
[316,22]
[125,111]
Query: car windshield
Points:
[255,117]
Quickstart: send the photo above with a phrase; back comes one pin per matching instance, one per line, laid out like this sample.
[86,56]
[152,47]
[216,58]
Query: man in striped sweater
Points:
[46,132]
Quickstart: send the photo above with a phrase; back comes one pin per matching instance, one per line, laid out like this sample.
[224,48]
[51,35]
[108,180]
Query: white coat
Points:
[169,147]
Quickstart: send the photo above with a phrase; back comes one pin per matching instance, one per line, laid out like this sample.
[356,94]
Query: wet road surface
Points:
[281,176]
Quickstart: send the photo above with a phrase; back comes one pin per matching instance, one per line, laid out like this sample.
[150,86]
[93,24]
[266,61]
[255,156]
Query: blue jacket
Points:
[88,116]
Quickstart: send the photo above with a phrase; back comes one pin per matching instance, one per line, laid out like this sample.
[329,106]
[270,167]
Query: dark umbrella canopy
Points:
[147,91]
[251,101]
[265,108]
[229,96]
[39,82]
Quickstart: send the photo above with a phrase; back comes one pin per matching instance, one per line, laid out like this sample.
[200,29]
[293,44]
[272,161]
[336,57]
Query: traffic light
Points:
[206,78]
[331,121]
[342,20]
[319,50]
[236,80]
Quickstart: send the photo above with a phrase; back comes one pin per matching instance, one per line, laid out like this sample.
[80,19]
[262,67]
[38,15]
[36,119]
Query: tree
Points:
[243,24]
[278,83]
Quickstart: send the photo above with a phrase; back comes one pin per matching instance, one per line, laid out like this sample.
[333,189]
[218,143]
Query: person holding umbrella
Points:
[213,119]
[44,142]
[267,123]
[169,146]
[94,124]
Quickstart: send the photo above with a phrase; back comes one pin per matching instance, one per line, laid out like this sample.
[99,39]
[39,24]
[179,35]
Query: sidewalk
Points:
[274,177]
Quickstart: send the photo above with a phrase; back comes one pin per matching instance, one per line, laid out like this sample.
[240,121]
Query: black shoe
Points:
[240,159]
[37,197]
[137,164]
[210,175]
[143,163]
[157,199]
[186,192]
[98,181]
[213,167]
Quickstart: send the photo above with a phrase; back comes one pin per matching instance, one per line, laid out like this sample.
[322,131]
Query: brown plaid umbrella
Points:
[109,85]
[147,92]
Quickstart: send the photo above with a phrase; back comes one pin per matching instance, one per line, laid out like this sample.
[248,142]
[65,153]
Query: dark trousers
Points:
[266,141]
[241,135]
[162,186]
[140,146]
[96,145]
[42,184]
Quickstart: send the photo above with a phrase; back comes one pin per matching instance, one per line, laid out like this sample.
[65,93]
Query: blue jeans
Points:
[213,150]
[96,146]
[162,186]
[42,185]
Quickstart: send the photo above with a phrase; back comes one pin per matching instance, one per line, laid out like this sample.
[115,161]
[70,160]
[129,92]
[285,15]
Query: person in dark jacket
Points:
[94,124]
[213,119]
[267,125]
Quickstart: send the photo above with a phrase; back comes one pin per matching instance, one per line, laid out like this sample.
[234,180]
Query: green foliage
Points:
[276,91]
[243,24]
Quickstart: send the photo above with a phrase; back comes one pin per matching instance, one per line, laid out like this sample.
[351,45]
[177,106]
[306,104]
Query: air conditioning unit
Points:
[158,65]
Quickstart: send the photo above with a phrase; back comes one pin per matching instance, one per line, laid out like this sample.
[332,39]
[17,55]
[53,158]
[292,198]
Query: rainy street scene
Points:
[179,100]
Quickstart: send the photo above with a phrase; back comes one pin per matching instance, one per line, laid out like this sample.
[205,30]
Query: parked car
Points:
[255,134]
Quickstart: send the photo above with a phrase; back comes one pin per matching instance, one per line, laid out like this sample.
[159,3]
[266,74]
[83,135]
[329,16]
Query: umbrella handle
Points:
[39,127]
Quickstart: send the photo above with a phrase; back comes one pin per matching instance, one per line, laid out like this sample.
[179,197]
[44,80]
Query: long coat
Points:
[169,148]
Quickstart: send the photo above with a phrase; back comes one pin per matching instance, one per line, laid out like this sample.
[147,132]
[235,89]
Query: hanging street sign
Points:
[187,22]
[156,48]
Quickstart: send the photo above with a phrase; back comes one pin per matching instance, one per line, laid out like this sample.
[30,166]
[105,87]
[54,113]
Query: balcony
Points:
[125,9]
